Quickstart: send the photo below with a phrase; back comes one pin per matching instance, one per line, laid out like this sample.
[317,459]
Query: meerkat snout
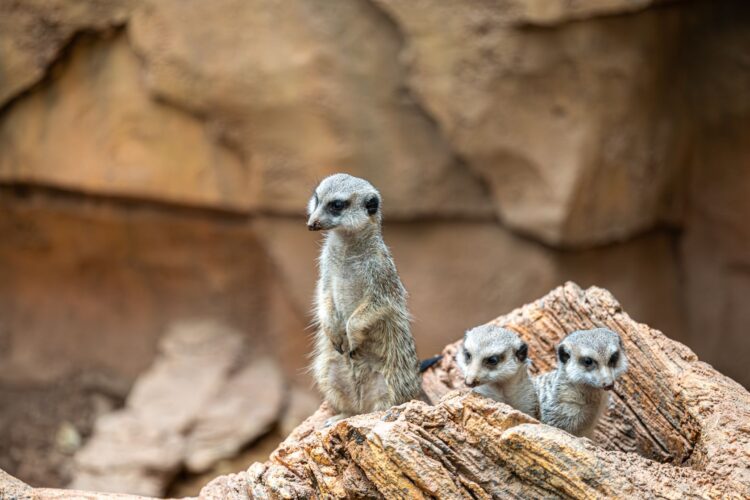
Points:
[494,360]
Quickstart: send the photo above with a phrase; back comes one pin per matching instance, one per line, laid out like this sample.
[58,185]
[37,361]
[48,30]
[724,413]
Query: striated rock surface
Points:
[675,427]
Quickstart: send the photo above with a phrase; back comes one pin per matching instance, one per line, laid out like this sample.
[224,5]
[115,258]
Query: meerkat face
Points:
[344,203]
[595,358]
[491,354]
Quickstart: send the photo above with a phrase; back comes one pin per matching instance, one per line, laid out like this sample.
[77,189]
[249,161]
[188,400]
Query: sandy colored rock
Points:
[669,407]
[94,128]
[572,126]
[305,89]
[34,32]
[124,273]
[244,409]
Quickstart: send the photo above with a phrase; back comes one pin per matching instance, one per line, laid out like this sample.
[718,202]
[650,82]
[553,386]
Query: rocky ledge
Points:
[675,428]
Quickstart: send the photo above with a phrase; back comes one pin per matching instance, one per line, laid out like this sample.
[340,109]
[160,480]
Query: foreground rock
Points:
[675,427]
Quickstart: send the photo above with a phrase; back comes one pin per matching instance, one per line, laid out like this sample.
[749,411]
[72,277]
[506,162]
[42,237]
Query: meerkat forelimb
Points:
[494,361]
[365,358]
[575,395]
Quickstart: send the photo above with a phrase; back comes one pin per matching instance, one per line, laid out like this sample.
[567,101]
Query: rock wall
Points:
[156,157]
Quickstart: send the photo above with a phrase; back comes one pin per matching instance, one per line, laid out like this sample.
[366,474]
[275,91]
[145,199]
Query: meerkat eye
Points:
[614,358]
[336,206]
[587,362]
[493,360]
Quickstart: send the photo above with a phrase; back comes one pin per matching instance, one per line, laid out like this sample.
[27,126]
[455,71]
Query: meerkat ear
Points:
[522,352]
[371,205]
[562,354]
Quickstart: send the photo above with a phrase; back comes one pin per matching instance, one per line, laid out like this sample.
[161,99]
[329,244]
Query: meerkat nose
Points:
[314,226]
[471,383]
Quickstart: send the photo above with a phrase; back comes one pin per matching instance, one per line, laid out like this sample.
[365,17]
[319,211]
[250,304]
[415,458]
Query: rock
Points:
[305,89]
[302,403]
[669,407]
[125,271]
[243,410]
[34,32]
[135,147]
[196,405]
[571,126]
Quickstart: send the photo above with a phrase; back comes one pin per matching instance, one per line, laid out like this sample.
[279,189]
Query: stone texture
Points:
[668,407]
[571,126]
[305,89]
[93,283]
[34,32]
[105,135]
[195,405]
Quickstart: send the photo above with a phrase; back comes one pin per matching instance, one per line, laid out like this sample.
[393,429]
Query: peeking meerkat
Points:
[364,359]
[574,396]
[494,361]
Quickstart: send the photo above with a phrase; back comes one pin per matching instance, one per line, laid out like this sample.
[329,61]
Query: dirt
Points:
[41,426]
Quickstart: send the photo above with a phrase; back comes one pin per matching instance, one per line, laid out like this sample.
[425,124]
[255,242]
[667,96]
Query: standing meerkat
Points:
[364,358]
[494,361]
[575,395]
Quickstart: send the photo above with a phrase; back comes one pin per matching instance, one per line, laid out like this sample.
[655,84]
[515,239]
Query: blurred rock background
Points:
[156,157]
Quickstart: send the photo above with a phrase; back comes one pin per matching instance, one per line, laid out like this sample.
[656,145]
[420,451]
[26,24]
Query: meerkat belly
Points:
[347,294]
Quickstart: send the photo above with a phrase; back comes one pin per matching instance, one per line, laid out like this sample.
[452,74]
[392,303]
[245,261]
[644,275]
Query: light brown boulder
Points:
[573,126]
[675,427]
[96,129]
[34,32]
[305,89]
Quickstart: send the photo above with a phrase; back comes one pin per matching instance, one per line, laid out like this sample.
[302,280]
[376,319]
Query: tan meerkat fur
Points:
[574,396]
[365,359]
[494,361]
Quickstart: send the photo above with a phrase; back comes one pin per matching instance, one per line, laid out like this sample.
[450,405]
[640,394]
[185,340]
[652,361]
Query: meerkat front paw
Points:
[341,344]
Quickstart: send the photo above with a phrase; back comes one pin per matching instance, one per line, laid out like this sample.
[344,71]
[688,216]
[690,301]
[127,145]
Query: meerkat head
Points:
[491,354]
[595,358]
[344,203]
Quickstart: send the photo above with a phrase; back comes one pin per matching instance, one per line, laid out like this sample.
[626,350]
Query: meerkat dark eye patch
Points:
[371,205]
[614,358]
[587,362]
[493,360]
[467,355]
[522,352]
[562,354]
[335,207]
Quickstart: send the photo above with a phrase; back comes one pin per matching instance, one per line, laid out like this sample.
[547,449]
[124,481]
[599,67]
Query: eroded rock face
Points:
[571,126]
[33,32]
[305,89]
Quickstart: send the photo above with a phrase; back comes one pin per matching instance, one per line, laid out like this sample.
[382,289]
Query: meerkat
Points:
[575,395]
[494,361]
[364,358]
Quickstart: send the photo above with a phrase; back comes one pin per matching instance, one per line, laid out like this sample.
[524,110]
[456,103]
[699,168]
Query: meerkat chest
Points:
[347,291]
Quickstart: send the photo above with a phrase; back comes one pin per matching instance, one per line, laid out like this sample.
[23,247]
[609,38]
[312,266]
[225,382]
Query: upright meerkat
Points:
[364,358]
[574,396]
[494,361]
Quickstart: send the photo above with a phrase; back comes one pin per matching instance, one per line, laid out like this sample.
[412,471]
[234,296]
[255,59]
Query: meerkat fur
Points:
[575,395]
[364,358]
[494,361]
